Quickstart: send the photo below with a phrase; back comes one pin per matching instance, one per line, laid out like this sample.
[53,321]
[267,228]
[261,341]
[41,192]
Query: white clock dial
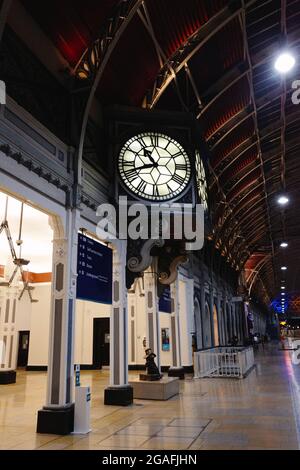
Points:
[201,180]
[154,166]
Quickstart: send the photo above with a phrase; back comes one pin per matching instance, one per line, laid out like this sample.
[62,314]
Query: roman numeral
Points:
[128,163]
[154,140]
[143,143]
[170,189]
[180,166]
[178,154]
[130,174]
[178,179]
[141,186]
[155,191]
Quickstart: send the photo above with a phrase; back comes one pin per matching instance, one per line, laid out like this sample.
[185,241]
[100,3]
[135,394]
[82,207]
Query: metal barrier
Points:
[223,362]
[291,343]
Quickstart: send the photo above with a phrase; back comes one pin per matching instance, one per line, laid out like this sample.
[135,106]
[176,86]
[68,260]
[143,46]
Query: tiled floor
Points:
[259,412]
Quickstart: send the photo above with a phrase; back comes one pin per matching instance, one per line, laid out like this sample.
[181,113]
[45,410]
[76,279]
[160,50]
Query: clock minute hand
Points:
[149,165]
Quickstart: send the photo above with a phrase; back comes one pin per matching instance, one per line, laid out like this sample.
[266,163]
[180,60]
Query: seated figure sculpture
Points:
[151,367]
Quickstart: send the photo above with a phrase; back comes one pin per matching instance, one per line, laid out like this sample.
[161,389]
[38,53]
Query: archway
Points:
[198,323]
[222,326]
[207,327]
[216,326]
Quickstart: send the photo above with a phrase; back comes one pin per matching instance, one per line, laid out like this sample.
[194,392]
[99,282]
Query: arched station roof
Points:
[213,58]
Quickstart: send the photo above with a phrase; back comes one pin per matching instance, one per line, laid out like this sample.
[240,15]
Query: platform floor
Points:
[259,412]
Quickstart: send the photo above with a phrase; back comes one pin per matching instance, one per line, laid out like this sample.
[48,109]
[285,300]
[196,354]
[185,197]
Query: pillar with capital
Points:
[220,319]
[152,313]
[206,315]
[57,416]
[176,370]
[119,392]
[8,333]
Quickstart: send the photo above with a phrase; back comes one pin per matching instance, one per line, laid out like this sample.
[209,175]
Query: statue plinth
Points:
[150,377]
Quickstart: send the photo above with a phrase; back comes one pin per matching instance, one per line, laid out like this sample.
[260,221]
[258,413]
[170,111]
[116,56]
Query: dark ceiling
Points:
[215,59]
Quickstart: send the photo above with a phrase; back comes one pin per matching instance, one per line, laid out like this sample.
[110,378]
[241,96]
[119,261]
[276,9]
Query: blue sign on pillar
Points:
[77,375]
[94,270]
[165,303]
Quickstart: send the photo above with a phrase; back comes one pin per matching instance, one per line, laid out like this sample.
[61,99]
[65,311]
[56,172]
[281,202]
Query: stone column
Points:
[176,370]
[119,393]
[152,312]
[211,308]
[8,334]
[132,328]
[202,309]
[220,319]
[186,313]
[57,416]
[239,322]
[233,318]
[227,319]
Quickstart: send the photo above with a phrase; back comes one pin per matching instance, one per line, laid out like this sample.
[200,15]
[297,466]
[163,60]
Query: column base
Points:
[56,421]
[121,395]
[8,377]
[176,372]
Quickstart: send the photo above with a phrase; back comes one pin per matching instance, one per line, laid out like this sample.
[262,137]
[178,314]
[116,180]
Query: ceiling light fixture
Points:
[284,62]
[283,200]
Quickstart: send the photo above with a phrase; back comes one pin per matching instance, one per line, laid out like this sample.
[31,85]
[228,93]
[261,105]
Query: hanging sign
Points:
[165,301]
[94,269]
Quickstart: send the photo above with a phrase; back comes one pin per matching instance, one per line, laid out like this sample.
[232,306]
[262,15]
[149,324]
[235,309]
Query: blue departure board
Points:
[94,269]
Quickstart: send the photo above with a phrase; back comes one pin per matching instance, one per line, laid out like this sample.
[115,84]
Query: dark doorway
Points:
[101,343]
[23,348]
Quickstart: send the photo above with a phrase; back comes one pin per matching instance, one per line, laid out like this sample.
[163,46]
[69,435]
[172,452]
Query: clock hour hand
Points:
[148,154]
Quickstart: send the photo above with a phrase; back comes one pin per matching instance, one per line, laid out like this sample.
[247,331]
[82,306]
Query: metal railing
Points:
[223,362]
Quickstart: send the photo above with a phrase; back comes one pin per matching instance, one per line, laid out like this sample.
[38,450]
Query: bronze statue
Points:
[152,369]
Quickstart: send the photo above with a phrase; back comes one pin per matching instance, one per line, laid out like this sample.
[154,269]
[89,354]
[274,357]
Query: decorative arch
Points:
[206,322]
[198,323]
[216,326]
[228,323]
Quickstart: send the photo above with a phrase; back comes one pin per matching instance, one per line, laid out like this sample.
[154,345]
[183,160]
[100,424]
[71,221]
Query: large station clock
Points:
[154,167]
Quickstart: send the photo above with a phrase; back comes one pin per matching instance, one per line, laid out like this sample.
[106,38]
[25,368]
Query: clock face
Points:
[154,166]
[201,181]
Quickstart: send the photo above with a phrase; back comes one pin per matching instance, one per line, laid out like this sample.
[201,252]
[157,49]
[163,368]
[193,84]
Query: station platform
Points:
[259,412]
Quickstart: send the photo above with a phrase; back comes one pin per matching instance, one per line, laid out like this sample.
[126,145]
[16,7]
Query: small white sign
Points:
[2,92]
[2,352]
[237,299]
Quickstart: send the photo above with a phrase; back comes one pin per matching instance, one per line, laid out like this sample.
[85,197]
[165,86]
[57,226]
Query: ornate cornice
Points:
[32,165]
